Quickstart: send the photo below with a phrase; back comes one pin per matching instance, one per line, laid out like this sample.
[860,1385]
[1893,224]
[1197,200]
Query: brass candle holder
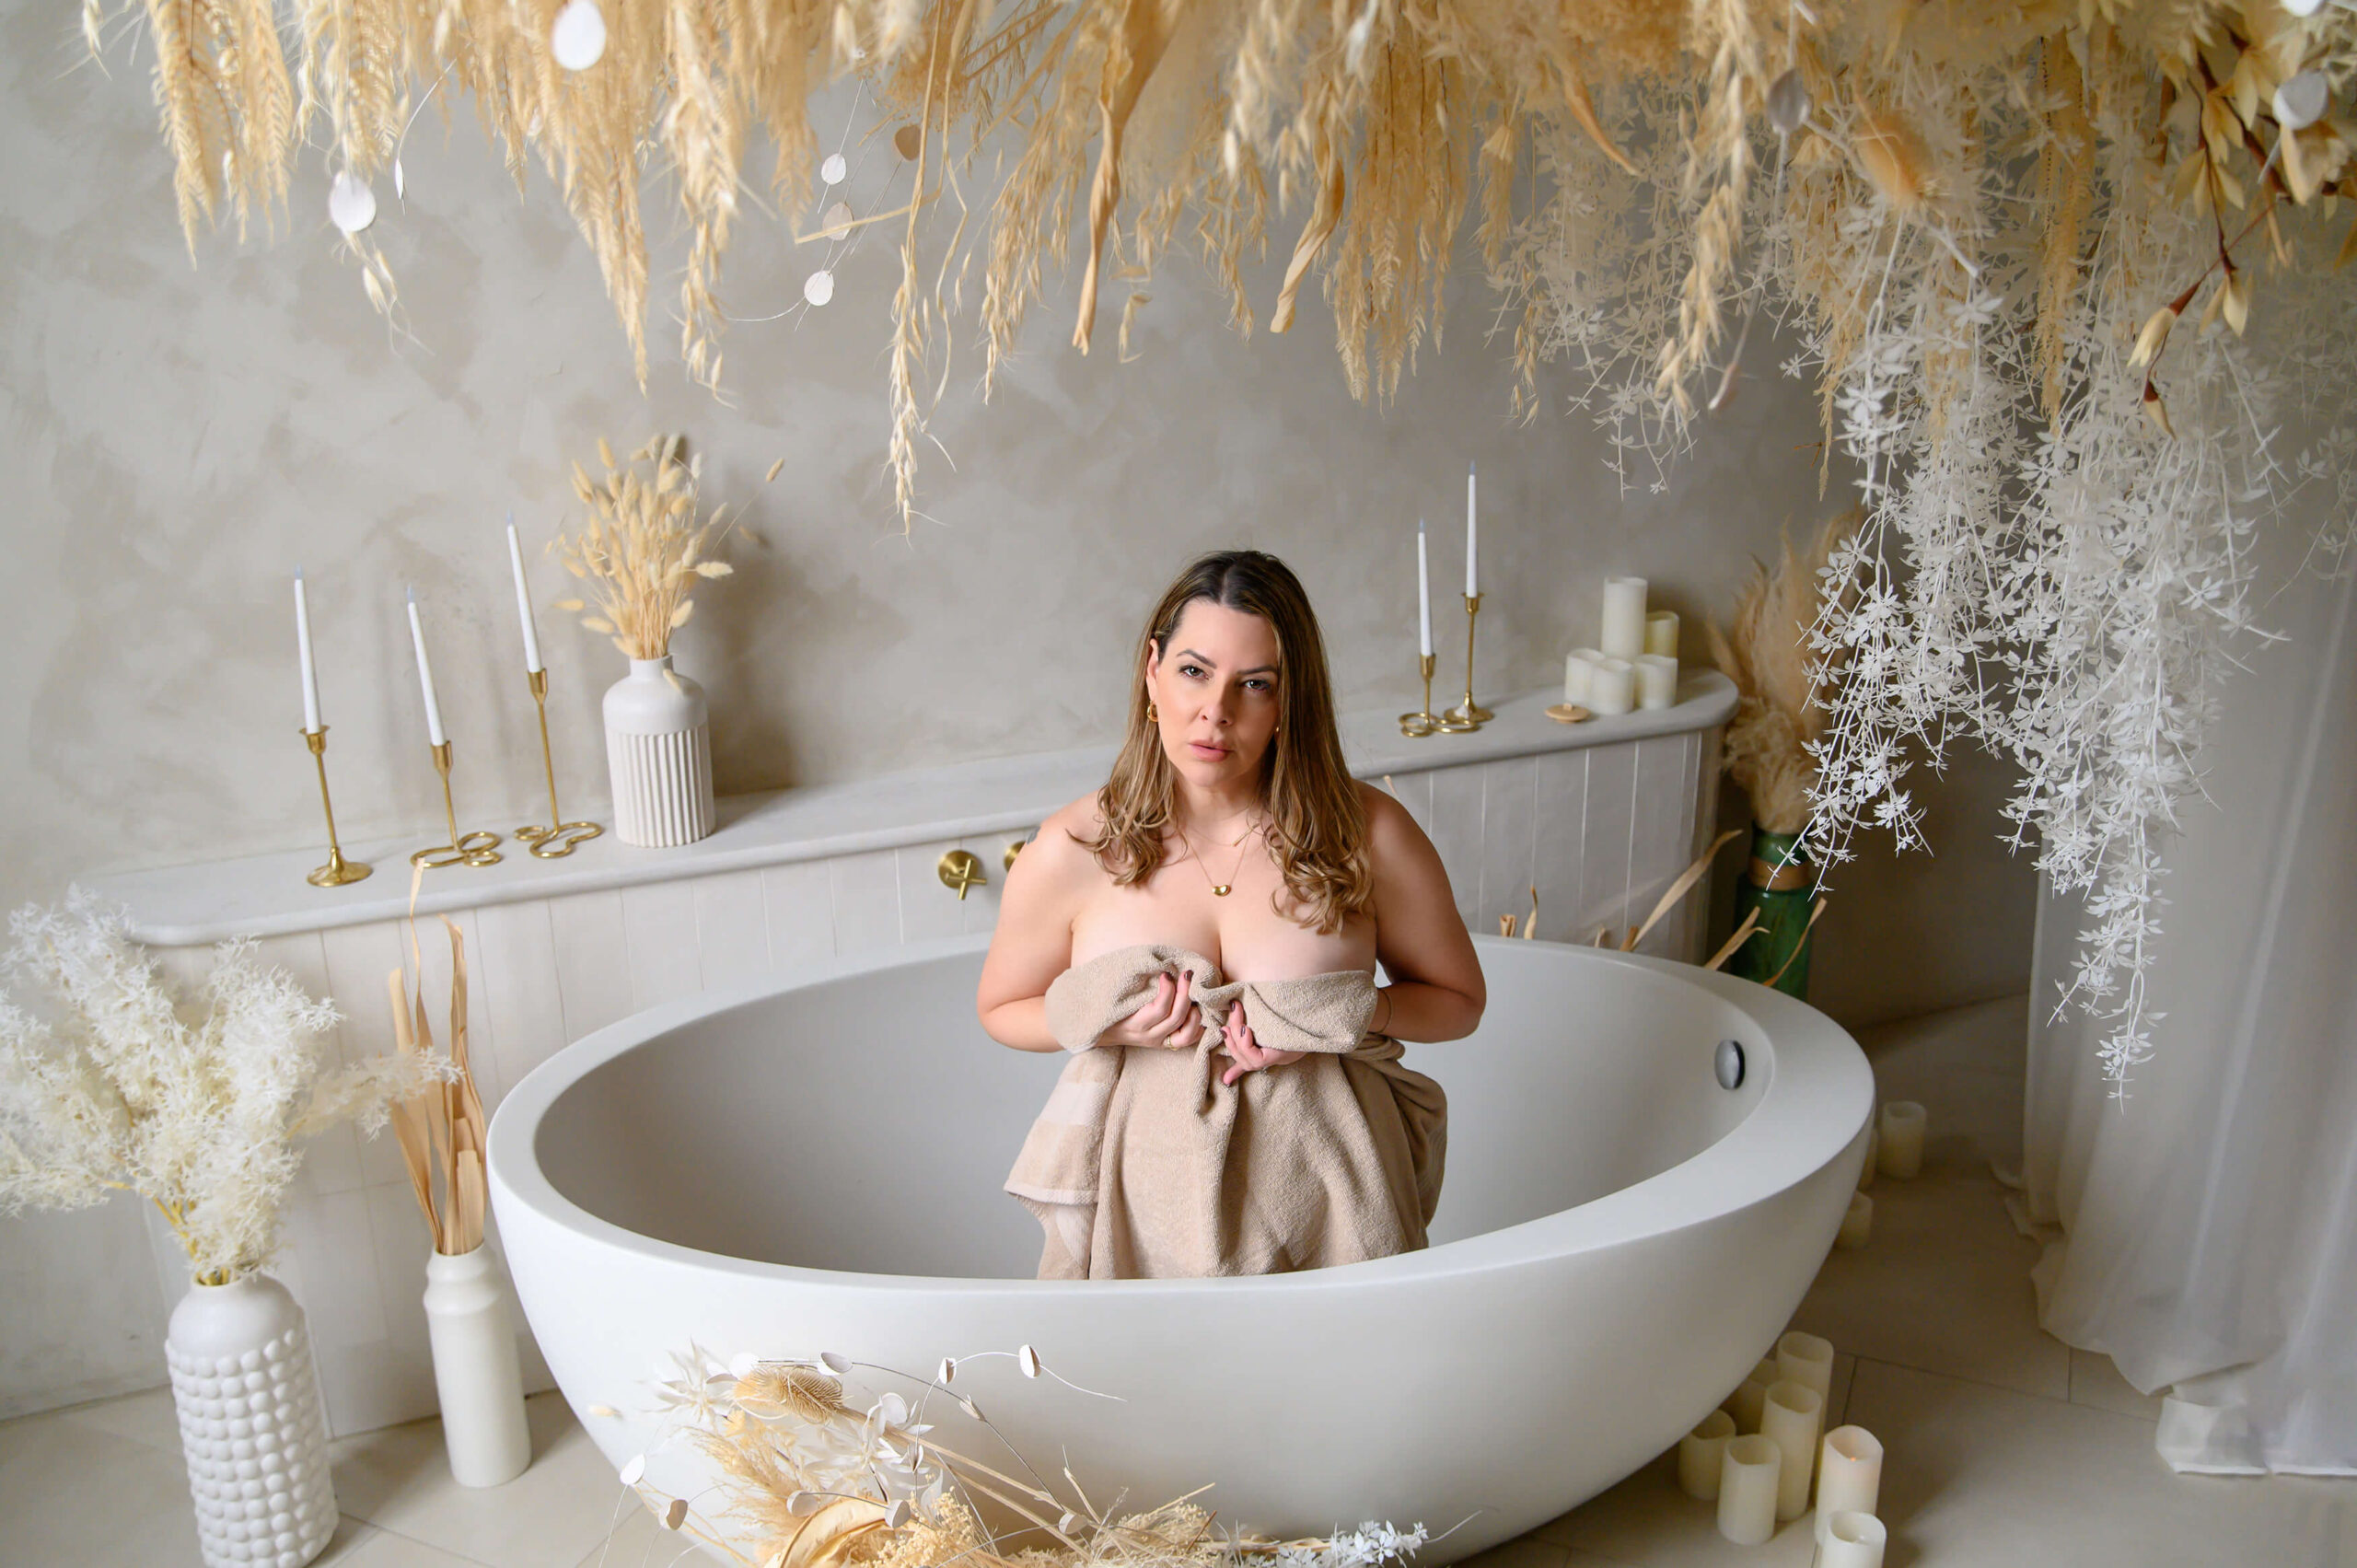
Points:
[337,870]
[477,848]
[1469,714]
[557,839]
[1424,721]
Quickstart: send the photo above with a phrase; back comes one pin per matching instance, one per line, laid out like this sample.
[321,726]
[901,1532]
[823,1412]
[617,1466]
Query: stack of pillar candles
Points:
[1635,663]
[1758,1456]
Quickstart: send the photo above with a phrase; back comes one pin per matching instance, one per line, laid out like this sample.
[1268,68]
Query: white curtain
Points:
[2204,1232]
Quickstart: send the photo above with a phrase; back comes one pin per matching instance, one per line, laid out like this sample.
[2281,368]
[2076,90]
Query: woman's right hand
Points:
[1167,1020]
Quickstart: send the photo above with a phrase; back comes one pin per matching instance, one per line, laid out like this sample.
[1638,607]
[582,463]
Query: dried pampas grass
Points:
[1781,684]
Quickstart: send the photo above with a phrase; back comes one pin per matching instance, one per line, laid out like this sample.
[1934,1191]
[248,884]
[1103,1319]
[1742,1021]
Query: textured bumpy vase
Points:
[250,1426]
[658,748]
[475,1370]
[1780,883]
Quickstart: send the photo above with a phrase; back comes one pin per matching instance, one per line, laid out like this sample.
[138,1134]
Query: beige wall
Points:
[176,440]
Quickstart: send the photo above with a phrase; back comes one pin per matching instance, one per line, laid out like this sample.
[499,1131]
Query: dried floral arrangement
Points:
[814,1480]
[1782,687]
[441,1129]
[1979,227]
[642,548]
[194,1104]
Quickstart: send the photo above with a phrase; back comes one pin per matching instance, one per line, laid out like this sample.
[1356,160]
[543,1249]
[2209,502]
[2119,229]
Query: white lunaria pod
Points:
[352,206]
[1065,1524]
[578,38]
[893,1409]
[897,1514]
[836,219]
[743,1364]
[401,182]
[833,170]
[818,287]
[970,1406]
[1027,1359]
[675,1515]
[1787,103]
[947,1370]
[835,1362]
[634,1470]
[2301,102]
[2304,7]
[802,1505]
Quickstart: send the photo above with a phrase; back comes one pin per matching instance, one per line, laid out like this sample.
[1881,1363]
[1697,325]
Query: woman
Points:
[1201,934]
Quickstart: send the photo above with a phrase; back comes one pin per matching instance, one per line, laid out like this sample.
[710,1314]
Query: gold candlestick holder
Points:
[337,870]
[477,848]
[557,839]
[1469,714]
[1424,721]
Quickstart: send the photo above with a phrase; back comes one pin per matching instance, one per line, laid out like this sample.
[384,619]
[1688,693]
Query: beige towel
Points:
[1145,1166]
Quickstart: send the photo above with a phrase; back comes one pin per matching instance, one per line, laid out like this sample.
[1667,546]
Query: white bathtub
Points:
[815,1164]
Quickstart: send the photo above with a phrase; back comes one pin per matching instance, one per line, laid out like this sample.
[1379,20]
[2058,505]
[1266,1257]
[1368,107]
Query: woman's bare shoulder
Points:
[1388,823]
[1061,843]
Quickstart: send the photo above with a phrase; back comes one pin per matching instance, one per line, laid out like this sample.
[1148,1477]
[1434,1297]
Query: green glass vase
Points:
[1779,884]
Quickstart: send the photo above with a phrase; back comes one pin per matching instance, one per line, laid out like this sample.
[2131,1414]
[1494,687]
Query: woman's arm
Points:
[1032,944]
[1436,990]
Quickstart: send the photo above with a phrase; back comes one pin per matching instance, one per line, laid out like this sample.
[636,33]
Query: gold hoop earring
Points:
[1153,713]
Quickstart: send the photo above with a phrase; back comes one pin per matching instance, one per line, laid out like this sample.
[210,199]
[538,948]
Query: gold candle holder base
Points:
[561,837]
[1424,721]
[337,870]
[1469,714]
[477,848]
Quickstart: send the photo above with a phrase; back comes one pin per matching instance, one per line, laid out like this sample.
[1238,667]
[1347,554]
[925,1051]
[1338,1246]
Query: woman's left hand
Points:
[1248,1056]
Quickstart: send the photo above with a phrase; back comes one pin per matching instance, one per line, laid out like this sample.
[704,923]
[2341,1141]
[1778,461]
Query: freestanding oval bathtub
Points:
[815,1166]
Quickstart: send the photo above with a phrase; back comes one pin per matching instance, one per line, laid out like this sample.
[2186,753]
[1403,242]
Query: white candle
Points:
[1424,594]
[1853,1540]
[523,601]
[1744,1405]
[1472,536]
[1806,1360]
[1748,1480]
[1701,1455]
[1611,686]
[1661,632]
[303,649]
[424,674]
[1858,1223]
[1624,617]
[1579,665]
[1789,1420]
[1902,1139]
[1657,680]
[1848,1476]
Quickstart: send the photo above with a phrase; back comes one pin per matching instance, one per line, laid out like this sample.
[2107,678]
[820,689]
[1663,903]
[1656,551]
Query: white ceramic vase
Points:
[658,748]
[250,1425]
[475,1370]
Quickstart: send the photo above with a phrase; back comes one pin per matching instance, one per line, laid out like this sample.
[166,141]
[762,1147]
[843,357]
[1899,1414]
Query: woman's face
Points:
[1217,686]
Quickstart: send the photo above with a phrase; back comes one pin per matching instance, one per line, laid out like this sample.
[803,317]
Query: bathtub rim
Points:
[1773,1149]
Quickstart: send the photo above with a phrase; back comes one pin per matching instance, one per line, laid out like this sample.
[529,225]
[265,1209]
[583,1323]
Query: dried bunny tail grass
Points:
[641,548]
[1779,683]
[800,1392]
[1890,156]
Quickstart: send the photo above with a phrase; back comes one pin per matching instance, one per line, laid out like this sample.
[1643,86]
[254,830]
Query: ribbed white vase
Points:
[658,748]
[250,1427]
[475,1371]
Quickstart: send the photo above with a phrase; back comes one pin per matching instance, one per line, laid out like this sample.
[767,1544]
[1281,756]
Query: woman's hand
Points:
[1247,1054]
[1168,1020]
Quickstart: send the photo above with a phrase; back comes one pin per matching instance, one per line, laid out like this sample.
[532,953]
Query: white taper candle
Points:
[1423,594]
[424,674]
[523,601]
[303,649]
[1472,538]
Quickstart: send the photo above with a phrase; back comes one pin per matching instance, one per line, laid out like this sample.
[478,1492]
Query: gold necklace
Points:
[1221,890]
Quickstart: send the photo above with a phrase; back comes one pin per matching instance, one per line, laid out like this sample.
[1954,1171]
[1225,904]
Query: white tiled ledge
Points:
[266,896]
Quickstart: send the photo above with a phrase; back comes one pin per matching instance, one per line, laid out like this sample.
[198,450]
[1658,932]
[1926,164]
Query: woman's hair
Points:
[1317,826]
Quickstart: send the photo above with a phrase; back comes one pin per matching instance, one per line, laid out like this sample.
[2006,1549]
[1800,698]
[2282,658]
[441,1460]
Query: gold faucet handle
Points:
[960,869]
[1014,848]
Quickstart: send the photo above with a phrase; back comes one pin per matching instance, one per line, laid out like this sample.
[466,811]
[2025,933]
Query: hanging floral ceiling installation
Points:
[2017,248]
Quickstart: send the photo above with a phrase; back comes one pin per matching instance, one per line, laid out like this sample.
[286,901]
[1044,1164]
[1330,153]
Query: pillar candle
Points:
[1806,1360]
[424,674]
[1579,665]
[1657,680]
[1858,1223]
[1611,686]
[1848,1476]
[1743,1406]
[1624,617]
[1873,1153]
[1424,594]
[1701,1453]
[1748,1480]
[1789,1420]
[1853,1540]
[1472,538]
[303,650]
[1902,1139]
[523,601]
[1661,632]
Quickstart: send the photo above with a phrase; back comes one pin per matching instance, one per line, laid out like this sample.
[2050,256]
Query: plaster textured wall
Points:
[178,439]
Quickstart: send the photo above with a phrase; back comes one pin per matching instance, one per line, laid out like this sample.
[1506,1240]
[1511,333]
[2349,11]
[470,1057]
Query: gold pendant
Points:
[1219,889]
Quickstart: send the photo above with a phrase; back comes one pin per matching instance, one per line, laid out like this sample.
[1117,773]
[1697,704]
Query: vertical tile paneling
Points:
[358,958]
[659,929]
[517,981]
[395,1381]
[864,890]
[1455,831]
[732,929]
[980,911]
[800,909]
[1508,839]
[1611,816]
[342,1297]
[592,960]
[1708,759]
[1660,836]
[1559,836]
[928,907]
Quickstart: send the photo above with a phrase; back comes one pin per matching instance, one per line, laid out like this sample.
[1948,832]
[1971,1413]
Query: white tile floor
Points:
[2005,1448]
